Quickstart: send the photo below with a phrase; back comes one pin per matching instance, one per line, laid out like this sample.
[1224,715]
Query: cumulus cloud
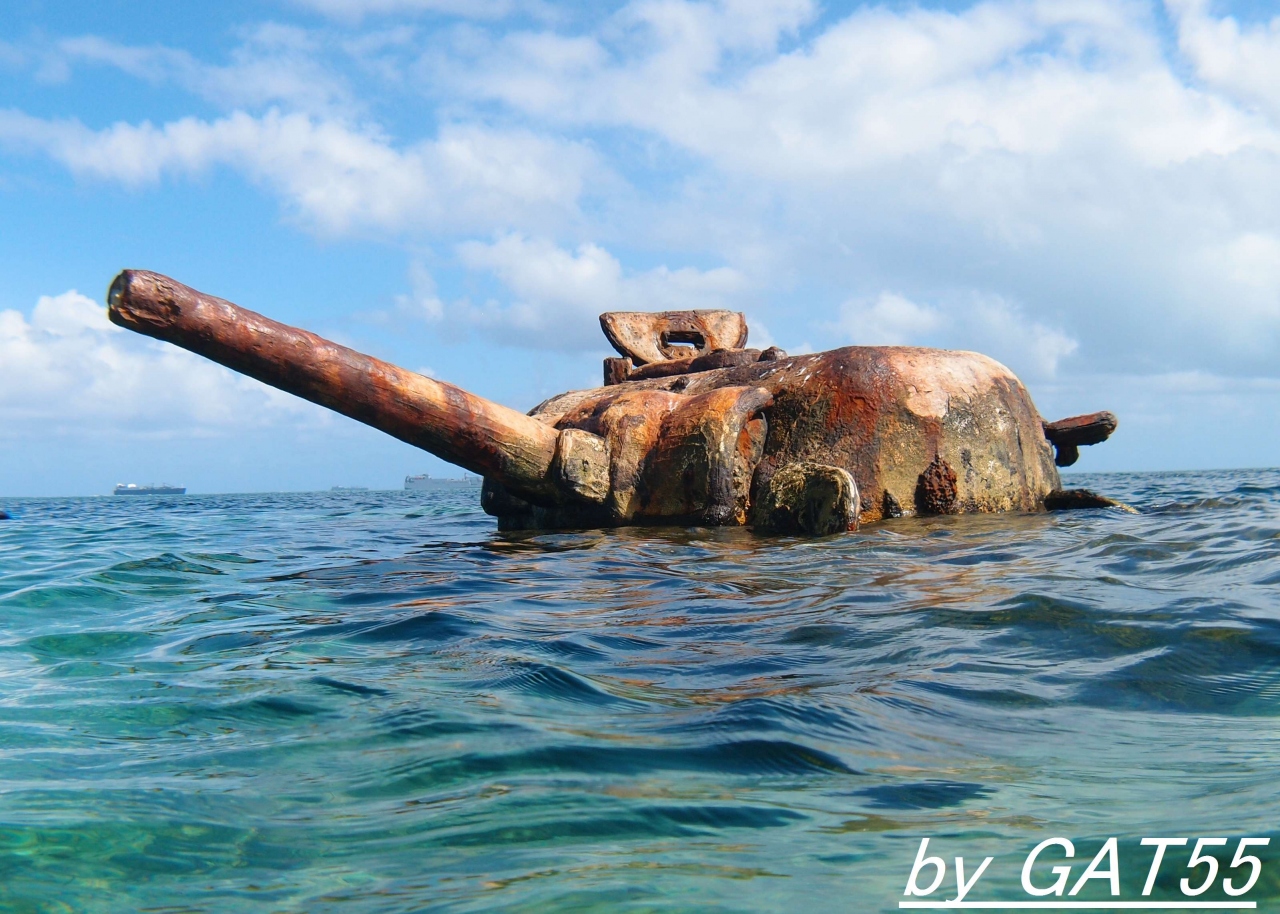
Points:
[989,324]
[1031,348]
[1249,264]
[1025,78]
[1241,61]
[889,320]
[1046,177]
[336,177]
[556,294]
[63,366]
[1048,153]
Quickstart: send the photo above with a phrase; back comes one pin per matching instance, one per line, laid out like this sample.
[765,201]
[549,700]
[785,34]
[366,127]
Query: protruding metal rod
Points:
[1069,435]
[474,433]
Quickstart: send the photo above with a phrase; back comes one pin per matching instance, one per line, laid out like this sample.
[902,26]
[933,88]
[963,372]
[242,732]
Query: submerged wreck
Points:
[690,427]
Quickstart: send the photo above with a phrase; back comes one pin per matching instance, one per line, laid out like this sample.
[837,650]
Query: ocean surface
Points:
[372,701]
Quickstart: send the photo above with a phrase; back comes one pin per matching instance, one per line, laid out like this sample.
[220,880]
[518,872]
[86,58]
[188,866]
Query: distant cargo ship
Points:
[349,489]
[424,483]
[134,489]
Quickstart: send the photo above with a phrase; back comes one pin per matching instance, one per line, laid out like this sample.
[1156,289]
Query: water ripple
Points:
[372,701]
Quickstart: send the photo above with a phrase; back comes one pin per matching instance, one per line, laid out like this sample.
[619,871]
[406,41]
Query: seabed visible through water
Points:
[372,701]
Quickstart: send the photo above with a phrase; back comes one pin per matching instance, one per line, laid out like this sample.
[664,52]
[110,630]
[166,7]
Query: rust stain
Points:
[936,491]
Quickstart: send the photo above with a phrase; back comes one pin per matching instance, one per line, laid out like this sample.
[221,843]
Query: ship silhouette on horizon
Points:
[150,489]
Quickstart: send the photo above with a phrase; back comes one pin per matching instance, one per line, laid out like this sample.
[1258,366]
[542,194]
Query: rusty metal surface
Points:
[936,491]
[1068,435]
[1094,428]
[648,337]
[812,499]
[1077,499]
[616,370]
[718,358]
[484,437]
[914,430]
[884,414]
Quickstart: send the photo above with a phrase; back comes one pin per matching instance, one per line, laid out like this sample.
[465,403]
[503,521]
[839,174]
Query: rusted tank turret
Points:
[690,427]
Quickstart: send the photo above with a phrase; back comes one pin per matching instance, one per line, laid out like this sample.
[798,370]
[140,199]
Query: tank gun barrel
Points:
[472,432]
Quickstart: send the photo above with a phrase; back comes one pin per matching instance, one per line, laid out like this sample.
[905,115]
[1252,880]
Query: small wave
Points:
[351,688]
[429,627]
[97,645]
[267,709]
[222,642]
[1204,669]
[999,698]
[166,562]
[421,723]
[740,758]
[1202,504]
[1255,489]
[626,824]
[545,681]
[231,558]
[923,795]
[798,715]
[52,598]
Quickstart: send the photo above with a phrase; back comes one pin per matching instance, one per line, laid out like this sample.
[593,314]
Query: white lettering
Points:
[1062,872]
[1108,851]
[1160,844]
[1104,865]
[921,862]
[1196,860]
[1239,860]
[962,886]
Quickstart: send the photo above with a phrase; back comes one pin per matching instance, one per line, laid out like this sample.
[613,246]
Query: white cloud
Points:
[336,177]
[1249,264]
[1045,152]
[557,294]
[984,323]
[1029,347]
[1243,62]
[276,64]
[1027,78]
[889,320]
[759,336]
[423,301]
[691,37]
[1057,154]
[65,367]
[355,10]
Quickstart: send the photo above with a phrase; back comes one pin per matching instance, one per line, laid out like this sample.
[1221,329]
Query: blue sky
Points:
[1088,191]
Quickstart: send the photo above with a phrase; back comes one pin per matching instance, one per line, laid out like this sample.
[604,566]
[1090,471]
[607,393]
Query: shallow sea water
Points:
[375,702]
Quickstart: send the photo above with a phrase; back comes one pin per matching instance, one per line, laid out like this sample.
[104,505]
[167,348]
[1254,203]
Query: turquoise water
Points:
[374,702]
